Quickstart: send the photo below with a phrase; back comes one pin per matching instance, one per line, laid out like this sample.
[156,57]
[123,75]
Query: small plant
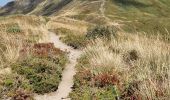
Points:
[47,19]
[14,29]
[131,56]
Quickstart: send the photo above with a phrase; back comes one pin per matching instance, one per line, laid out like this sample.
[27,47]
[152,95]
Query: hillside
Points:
[131,15]
[85,50]
[152,8]
[37,7]
[19,7]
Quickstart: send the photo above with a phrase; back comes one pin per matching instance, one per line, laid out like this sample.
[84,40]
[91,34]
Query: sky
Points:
[3,2]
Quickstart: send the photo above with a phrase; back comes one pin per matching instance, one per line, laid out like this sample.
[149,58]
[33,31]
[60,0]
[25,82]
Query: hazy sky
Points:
[3,2]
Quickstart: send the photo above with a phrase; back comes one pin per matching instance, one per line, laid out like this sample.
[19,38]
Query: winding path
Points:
[102,12]
[65,87]
[102,9]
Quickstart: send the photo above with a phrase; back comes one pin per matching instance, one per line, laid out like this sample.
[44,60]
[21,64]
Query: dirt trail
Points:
[65,87]
[102,12]
[102,9]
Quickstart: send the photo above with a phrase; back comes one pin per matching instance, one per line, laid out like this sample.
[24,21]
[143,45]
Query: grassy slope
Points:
[38,7]
[123,68]
[144,16]
[18,30]
[32,67]
[149,16]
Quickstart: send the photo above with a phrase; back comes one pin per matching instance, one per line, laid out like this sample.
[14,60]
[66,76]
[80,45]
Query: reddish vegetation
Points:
[130,92]
[84,76]
[45,49]
[40,49]
[22,95]
[106,79]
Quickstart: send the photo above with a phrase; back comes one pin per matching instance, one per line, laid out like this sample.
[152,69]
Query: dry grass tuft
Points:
[9,49]
[17,31]
[137,60]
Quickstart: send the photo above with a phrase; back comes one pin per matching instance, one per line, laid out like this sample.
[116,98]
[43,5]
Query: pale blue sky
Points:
[3,2]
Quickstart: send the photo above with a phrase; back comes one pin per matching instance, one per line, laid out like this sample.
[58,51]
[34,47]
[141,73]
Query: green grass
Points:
[76,41]
[141,15]
[151,27]
[14,29]
[71,38]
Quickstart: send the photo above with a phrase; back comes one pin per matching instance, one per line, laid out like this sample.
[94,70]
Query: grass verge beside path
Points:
[38,72]
[128,67]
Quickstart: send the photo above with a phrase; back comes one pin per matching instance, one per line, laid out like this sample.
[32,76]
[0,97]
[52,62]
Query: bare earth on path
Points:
[65,86]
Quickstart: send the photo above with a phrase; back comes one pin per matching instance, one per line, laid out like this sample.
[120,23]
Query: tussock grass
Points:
[35,66]
[137,66]
[9,49]
[17,31]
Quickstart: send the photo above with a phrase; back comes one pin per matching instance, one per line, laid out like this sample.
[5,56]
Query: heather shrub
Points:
[43,68]
[12,84]
[21,94]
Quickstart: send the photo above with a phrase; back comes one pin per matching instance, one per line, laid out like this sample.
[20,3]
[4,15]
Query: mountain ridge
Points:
[133,15]
[37,7]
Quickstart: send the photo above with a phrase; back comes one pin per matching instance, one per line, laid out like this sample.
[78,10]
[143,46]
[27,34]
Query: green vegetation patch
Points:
[149,16]
[101,32]
[77,41]
[87,85]
[152,27]
[14,29]
[15,86]
[10,28]
[40,70]
[69,37]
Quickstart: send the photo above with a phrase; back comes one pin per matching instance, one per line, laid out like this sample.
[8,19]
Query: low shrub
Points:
[101,32]
[43,75]
[77,41]
[21,94]
[43,68]
[88,86]
[15,86]
[40,72]
[106,79]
